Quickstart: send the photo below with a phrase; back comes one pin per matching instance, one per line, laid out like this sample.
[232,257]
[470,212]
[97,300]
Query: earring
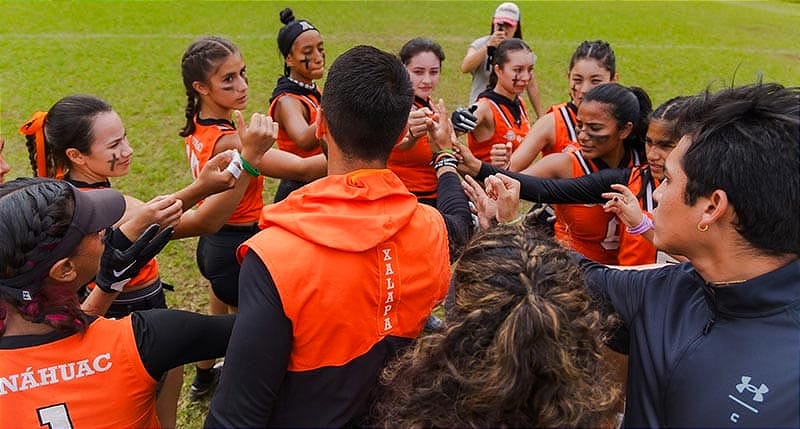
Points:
[703,228]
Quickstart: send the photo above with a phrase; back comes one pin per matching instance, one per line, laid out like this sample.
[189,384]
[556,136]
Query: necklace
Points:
[732,282]
[310,86]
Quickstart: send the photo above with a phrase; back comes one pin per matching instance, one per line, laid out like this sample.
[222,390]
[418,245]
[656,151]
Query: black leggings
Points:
[216,258]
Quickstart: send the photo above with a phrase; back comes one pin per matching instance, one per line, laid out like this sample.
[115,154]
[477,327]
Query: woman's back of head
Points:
[521,348]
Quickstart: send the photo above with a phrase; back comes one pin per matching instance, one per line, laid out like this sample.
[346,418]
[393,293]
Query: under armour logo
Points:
[758,392]
[26,296]
[306,25]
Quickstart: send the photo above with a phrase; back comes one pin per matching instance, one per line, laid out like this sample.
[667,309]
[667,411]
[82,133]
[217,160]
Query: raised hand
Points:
[463,119]
[257,137]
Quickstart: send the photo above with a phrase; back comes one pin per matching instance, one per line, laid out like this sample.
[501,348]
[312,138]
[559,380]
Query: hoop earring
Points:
[703,228]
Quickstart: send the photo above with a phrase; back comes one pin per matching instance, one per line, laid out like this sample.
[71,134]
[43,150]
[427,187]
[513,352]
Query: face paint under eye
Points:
[516,79]
[113,161]
[306,61]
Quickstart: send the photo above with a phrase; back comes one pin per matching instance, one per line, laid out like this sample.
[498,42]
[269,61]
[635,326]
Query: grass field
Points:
[129,53]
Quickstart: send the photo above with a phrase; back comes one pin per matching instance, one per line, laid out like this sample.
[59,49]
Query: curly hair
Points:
[35,214]
[522,346]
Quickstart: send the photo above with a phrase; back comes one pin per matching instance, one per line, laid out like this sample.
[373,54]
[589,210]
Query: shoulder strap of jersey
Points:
[564,111]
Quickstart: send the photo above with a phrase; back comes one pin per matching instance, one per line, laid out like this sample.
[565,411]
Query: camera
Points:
[501,26]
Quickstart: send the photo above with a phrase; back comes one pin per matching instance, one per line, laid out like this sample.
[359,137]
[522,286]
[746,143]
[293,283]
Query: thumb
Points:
[238,119]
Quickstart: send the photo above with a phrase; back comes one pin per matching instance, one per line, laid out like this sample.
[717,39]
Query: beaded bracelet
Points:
[249,168]
[644,226]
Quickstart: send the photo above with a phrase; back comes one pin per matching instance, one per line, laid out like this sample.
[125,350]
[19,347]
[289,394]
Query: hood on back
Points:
[353,212]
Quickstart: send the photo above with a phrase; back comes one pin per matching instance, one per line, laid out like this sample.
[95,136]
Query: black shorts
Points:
[142,299]
[216,258]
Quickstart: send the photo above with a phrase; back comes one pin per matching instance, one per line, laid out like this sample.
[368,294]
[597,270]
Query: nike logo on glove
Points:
[124,270]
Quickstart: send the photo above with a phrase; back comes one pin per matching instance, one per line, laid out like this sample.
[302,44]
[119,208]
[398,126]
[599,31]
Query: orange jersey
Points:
[200,148]
[505,129]
[413,167]
[285,143]
[586,227]
[360,235]
[635,249]
[564,117]
[91,380]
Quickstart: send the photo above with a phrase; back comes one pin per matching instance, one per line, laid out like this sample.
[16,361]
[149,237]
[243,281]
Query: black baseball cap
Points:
[94,210]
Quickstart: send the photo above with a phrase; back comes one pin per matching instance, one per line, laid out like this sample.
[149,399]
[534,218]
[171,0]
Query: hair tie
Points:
[35,127]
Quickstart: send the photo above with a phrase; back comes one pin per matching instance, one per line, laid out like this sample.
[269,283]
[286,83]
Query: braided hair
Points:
[522,346]
[197,64]
[35,214]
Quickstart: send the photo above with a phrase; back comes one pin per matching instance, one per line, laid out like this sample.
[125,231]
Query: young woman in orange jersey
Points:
[215,80]
[59,366]
[82,140]
[295,100]
[411,159]
[593,63]
[633,187]
[502,118]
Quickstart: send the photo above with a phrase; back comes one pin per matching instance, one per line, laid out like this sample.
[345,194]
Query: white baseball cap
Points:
[507,12]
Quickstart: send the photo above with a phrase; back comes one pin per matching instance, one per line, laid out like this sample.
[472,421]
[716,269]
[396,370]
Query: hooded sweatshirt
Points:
[358,264]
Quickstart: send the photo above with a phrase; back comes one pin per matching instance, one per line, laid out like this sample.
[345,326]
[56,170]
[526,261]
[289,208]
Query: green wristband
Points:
[249,168]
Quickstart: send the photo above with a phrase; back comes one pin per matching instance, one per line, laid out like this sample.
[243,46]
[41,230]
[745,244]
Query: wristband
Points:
[446,161]
[644,226]
[249,168]
[439,154]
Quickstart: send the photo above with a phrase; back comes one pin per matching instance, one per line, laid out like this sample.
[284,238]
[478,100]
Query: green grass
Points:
[129,54]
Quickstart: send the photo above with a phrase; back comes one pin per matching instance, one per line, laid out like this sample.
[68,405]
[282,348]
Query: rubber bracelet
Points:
[446,162]
[441,154]
[644,226]
[249,168]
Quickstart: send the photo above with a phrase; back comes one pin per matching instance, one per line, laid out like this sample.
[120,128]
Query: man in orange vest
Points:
[346,269]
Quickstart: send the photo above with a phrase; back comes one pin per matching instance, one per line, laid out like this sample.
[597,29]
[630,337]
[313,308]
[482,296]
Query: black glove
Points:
[122,260]
[463,120]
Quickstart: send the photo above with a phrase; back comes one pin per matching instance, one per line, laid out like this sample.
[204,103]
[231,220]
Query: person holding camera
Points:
[478,60]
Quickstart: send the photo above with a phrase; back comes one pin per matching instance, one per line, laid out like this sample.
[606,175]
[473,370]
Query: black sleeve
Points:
[258,354]
[453,204]
[585,189]
[170,338]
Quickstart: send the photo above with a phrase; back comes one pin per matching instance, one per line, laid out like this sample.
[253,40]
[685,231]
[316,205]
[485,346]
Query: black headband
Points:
[290,32]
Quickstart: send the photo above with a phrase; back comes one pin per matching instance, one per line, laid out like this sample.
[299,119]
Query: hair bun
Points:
[287,15]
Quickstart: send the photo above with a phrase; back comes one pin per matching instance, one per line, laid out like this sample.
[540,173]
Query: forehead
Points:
[307,38]
[589,67]
[590,111]
[658,131]
[107,126]
[424,59]
[231,64]
[519,57]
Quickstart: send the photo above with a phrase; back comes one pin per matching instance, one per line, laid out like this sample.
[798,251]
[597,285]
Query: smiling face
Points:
[307,57]
[599,134]
[586,74]
[109,154]
[658,145]
[424,69]
[514,74]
